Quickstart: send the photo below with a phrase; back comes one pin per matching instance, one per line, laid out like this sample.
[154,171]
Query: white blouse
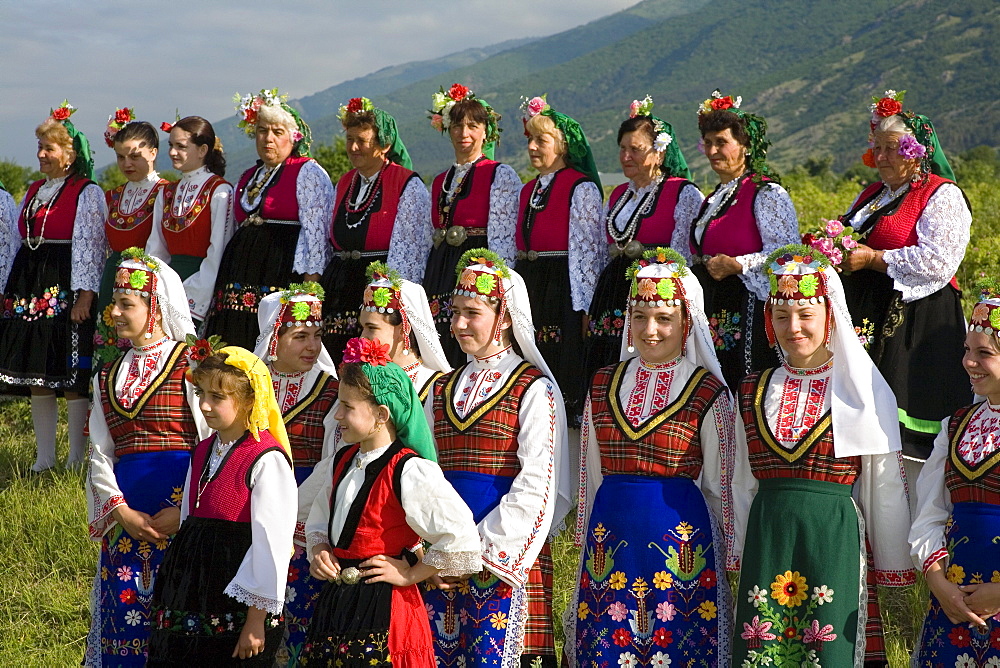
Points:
[9,236]
[410,242]
[139,367]
[647,389]
[501,226]
[688,205]
[520,523]
[980,440]
[943,231]
[263,574]
[200,285]
[432,507]
[134,195]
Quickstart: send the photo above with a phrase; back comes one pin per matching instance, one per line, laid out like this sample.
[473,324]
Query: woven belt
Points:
[357,255]
[456,234]
[633,250]
[37,241]
[533,255]
[255,219]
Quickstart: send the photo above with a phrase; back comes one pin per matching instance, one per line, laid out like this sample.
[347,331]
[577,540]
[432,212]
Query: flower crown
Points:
[484,285]
[247,106]
[367,351]
[795,274]
[659,290]
[355,105]
[644,107]
[986,313]
[383,299]
[533,106]
[443,101]
[116,122]
[63,111]
[718,101]
[891,104]
[301,305]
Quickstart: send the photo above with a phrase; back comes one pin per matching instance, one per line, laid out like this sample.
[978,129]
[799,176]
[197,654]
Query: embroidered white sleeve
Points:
[439,515]
[311,488]
[315,195]
[688,206]
[200,285]
[942,234]
[156,245]
[934,506]
[104,494]
[261,578]
[10,242]
[880,492]
[778,225]
[501,227]
[591,476]
[588,249]
[90,246]
[411,234]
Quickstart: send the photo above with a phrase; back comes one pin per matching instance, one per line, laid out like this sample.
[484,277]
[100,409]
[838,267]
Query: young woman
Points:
[823,446]
[47,320]
[382,500]
[221,588]
[305,386]
[499,427]
[135,209]
[197,221]
[958,512]
[659,436]
[144,420]
[473,203]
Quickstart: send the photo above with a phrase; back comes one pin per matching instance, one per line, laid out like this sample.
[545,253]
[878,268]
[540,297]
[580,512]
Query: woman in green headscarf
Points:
[381,213]
[914,225]
[383,498]
[47,320]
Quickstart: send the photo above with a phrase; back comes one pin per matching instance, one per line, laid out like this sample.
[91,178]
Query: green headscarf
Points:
[83,166]
[756,129]
[388,135]
[578,153]
[302,146]
[492,129]
[673,163]
[934,161]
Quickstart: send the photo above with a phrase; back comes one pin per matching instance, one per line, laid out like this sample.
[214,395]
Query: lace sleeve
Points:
[10,240]
[942,235]
[502,224]
[588,252]
[778,225]
[314,192]
[410,243]
[688,206]
[90,246]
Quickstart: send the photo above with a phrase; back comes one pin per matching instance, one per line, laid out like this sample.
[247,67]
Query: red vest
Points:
[975,484]
[160,419]
[548,229]
[304,422]
[280,200]
[486,440]
[190,234]
[227,496]
[380,222]
[734,230]
[59,217]
[471,206]
[127,230]
[656,228]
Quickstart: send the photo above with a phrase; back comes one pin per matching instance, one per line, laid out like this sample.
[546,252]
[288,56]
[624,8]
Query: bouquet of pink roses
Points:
[835,240]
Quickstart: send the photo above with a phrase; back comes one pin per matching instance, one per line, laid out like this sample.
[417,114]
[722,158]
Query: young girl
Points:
[305,386]
[197,220]
[221,588]
[499,427]
[144,420]
[382,499]
[958,512]
[823,444]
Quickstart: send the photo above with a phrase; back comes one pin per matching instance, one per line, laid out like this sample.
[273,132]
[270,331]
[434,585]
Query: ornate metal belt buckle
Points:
[254,219]
[349,576]
[456,235]
[438,237]
[355,255]
[634,249]
[614,250]
[532,255]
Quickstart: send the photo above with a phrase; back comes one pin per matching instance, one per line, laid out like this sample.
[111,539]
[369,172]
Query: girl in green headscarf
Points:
[384,496]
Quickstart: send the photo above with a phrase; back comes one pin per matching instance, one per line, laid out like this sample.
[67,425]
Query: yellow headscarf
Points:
[265,413]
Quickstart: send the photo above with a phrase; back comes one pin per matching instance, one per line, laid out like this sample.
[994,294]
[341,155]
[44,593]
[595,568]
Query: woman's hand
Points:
[167,521]
[983,599]
[81,307]
[138,524]
[398,572]
[324,565]
[251,642]
[449,583]
[863,257]
[951,597]
[723,266]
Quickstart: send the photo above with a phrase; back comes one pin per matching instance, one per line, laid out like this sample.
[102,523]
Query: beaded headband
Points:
[656,281]
[301,306]
[384,295]
[136,275]
[796,276]
[480,276]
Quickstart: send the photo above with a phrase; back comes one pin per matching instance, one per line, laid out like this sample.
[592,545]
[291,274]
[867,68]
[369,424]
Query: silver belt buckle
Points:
[438,237]
[456,235]
[349,576]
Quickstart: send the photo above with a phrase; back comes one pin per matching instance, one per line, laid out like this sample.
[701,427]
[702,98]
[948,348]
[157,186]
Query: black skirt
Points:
[39,345]
[558,328]
[344,282]
[918,347]
[736,320]
[439,283]
[258,260]
[608,313]
[194,623]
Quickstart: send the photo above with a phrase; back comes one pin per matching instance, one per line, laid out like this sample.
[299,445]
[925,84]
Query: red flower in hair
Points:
[868,159]
[722,102]
[372,352]
[457,92]
[200,350]
[355,104]
[166,127]
[887,107]
[61,114]
[123,115]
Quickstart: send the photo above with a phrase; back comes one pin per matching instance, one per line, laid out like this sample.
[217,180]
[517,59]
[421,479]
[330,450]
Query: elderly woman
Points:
[747,216]
[281,208]
[382,213]
[47,323]
[654,207]
[475,198]
[914,226]
[560,242]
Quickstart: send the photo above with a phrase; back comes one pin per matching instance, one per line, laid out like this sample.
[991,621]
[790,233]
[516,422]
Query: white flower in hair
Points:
[662,141]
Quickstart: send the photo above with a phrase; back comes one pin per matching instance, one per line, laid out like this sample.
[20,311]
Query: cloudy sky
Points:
[158,56]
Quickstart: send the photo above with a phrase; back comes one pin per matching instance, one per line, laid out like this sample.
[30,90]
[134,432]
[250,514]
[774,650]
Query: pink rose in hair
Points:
[536,105]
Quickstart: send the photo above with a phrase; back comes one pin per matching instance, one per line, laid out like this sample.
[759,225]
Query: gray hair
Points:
[274,114]
[893,125]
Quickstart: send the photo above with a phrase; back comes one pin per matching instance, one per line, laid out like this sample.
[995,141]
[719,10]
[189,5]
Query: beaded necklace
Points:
[219,449]
[363,207]
[32,212]
[642,210]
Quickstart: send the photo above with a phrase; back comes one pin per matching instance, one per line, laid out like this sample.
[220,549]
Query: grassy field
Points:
[47,562]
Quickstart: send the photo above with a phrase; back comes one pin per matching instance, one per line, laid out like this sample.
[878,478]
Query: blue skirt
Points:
[127,567]
[648,591]
[974,557]
[302,593]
